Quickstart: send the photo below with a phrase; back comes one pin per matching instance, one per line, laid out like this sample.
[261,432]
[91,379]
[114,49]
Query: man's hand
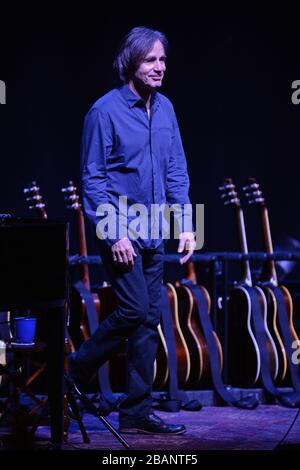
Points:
[187,244]
[123,253]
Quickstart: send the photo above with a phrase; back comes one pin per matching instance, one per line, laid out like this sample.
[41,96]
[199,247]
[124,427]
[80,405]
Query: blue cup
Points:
[24,330]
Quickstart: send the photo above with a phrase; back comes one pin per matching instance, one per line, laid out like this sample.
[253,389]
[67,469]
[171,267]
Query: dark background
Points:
[229,75]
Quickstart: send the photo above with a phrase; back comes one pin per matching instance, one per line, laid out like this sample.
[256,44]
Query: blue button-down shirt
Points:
[126,153]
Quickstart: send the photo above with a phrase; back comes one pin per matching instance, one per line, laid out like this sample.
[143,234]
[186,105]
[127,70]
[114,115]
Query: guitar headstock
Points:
[229,193]
[71,196]
[35,199]
[253,193]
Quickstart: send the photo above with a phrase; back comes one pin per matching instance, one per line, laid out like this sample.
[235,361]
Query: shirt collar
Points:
[134,100]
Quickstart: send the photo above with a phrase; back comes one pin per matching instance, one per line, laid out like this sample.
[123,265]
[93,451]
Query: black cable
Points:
[288,431]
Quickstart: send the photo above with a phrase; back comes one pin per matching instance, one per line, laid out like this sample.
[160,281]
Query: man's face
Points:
[151,70]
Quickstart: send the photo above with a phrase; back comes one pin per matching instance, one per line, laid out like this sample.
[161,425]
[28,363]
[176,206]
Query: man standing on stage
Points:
[131,148]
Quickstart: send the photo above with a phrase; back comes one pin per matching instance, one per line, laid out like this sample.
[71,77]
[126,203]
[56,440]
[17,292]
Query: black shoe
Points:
[150,424]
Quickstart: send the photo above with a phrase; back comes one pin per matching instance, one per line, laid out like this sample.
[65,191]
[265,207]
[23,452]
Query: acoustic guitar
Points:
[268,278]
[243,351]
[182,352]
[35,200]
[161,368]
[192,332]
[79,324]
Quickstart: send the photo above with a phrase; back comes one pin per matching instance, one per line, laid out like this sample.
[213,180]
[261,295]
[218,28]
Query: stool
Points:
[23,417]
[17,384]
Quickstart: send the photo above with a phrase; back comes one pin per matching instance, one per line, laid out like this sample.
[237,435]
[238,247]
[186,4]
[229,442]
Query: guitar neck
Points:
[43,213]
[84,269]
[269,274]
[246,272]
[191,274]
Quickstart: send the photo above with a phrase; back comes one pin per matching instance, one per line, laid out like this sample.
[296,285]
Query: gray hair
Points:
[133,49]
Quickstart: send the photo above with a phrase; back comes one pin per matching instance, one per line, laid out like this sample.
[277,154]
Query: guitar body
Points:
[182,352]
[271,347]
[196,320]
[243,352]
[193,336]
[289,306]
[78,322]
[272,321]
[294,337]
[195,339]
[161,369]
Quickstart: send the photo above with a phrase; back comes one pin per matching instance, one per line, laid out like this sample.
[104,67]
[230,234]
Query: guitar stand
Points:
[73,393]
